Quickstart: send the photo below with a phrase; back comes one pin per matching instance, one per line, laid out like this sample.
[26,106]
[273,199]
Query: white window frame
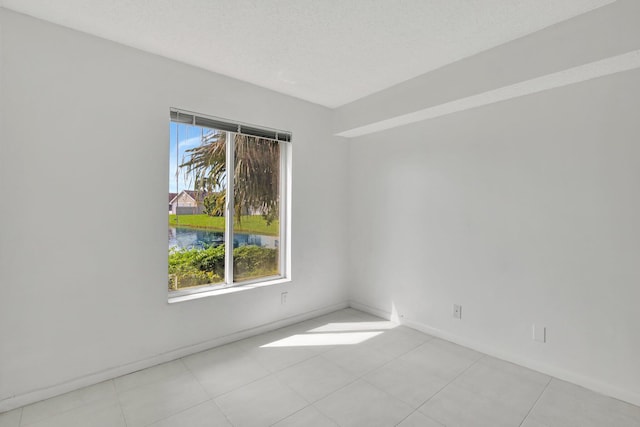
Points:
[284,241]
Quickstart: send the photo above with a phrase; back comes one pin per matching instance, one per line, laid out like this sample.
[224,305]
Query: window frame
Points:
[284,238]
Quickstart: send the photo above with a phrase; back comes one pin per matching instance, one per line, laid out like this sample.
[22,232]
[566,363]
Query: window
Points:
[227,203]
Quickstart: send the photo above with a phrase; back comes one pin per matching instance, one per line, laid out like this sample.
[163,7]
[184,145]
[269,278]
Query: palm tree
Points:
[256,172]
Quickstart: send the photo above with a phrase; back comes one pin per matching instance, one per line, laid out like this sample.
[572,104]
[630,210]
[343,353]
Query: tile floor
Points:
[343,369]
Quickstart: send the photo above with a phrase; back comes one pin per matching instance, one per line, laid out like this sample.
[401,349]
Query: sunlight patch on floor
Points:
[320,339]
[355,326]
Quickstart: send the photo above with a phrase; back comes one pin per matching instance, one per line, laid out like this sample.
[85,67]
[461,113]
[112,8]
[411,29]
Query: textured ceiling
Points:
[329,52]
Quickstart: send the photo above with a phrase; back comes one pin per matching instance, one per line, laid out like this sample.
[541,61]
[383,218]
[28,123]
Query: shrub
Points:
[195,267]
[254,261]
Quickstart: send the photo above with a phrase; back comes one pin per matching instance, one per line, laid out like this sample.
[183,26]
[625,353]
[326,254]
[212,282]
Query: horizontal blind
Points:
[187,117]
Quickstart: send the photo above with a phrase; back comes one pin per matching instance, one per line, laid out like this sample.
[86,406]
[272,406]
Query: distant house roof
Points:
[198,196]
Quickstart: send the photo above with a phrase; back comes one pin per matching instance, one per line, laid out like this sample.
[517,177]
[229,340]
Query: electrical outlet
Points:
[283,298]
[457,311]
[539,333]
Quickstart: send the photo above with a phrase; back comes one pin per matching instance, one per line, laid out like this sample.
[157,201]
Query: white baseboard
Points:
[114,372]
[371,310]
[554,371]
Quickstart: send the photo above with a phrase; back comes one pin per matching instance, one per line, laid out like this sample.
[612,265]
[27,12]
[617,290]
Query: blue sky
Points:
[187,137]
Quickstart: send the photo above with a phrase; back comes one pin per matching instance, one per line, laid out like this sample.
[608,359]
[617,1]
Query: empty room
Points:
[379,213]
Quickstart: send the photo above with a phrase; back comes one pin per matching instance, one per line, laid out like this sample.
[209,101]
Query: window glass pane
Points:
[256,234]
[197,186]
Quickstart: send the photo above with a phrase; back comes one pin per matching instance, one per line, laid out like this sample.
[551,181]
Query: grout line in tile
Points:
[420,413]
[397,398]
[536,402]
[70,409]
[336,390]
[179,412]
[384,391]
[270,374]
[221,411]
[120,403]
[399,356]
[290,415]
[326,415]
[205,389]
[432,419]
[126,424]
[412,412]
[286,367]
[393,359]
[295,392]
[452,380]
[361,376]
[159,380]
[347,385]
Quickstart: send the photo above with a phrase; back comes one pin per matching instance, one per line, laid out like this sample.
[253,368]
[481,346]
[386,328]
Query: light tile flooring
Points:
[343,369]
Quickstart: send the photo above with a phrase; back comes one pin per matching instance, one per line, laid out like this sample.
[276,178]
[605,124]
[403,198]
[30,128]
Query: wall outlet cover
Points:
[539,333]
[457,311]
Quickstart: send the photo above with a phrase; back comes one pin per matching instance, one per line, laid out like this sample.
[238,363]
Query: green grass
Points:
[253,224]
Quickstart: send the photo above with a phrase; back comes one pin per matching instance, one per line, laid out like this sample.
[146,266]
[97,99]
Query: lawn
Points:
[253,224]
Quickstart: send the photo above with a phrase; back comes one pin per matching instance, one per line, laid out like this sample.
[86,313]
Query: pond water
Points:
[188,238]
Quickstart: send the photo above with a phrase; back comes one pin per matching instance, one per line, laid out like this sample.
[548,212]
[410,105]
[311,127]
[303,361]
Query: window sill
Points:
[227,290]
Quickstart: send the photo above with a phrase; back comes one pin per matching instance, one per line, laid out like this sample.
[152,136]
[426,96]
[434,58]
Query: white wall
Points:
[84,290]
[523,212]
